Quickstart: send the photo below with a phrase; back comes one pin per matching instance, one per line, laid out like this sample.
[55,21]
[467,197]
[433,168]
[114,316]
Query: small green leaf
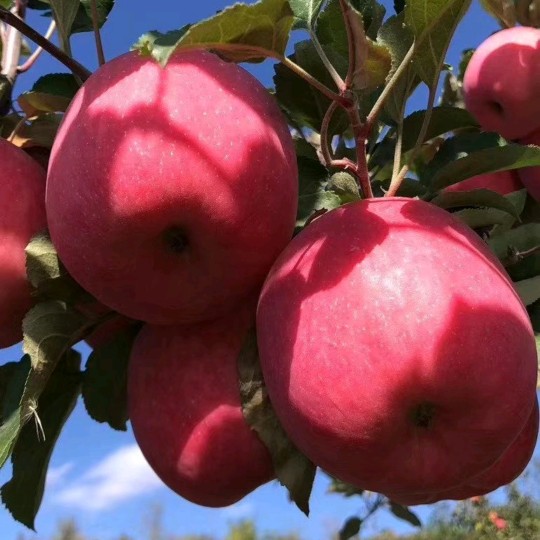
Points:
[520,239]
[350,528]
[402,512]
[476,197]
[47,274]
[84,21]
[293,469]
[342,488]
[22,494]
[241,33]
[345,186]
[65,12]
[104,389]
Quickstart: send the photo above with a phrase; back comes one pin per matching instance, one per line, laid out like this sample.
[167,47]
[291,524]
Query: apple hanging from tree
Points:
[22,192]
[502,182]
[395,349]
[184,406]
[171,191]
[502,81]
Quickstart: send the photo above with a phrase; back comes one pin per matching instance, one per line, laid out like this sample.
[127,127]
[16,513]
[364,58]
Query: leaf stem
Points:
[336,77]
[12,20]
[97,35]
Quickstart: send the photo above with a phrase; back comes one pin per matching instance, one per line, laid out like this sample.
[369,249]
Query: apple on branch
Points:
[171,191]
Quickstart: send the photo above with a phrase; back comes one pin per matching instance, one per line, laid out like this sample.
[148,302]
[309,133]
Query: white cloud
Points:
[238,511]
[121,476]
[56,475]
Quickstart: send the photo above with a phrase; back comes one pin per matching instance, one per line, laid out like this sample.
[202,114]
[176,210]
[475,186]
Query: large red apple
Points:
[396,352]
[171,191]
[184,405]
[502,82]
[505,470]
[502,182]
[22,195]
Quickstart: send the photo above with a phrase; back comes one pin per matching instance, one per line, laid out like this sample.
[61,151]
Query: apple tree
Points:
[276,280]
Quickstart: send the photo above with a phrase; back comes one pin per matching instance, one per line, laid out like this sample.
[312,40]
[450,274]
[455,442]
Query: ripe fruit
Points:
[501,82]
[22,192]
[184,405]
[506,469]
[395,350]
[530,176]
[171,191]
[502,182]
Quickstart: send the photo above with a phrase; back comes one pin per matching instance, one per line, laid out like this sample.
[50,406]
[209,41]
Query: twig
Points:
[35,55]
[325,143]
[97,35]
[13,21]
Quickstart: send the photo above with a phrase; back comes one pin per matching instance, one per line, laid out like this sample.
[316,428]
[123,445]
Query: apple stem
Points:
[97,35]
[15,22]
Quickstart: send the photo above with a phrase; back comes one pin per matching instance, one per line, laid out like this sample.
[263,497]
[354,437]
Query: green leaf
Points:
[398,39]
[313,181]
[13,377]
[512,156]
[529,290]
[301,101]
[64,12]
[350,528]
[402,512]
[496,9]
[23,493]
[104,389]
[57,84]
[477,197]
[376,60]
[47,274]
[84,21]
[432,23]
[305,12]
[442,121]
[518,240]
[241,33]
[293,469]
[342,488]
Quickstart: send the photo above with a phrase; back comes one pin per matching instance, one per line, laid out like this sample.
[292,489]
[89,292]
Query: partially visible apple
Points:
[502,182]
[171,191]
[509,466]
[22,196]
[395,349]
[502,82]
[184,406]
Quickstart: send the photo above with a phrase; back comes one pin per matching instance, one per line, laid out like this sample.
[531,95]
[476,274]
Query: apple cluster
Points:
[396,353]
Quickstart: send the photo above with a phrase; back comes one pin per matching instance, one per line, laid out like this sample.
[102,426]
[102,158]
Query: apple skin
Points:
[22,191]
[501,82]
[502,182]
[171,191]
[185,410]
[385,358]
[505,470]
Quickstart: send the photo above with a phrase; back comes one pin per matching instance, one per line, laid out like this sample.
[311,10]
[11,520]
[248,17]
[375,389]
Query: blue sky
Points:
[97,475]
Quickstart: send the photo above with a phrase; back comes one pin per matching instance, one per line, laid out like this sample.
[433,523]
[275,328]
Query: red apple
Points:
[396,352]
[22,192]
[184,405]
[505,470]
[502,82]
[530,176]
[171,191]
[502,182]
